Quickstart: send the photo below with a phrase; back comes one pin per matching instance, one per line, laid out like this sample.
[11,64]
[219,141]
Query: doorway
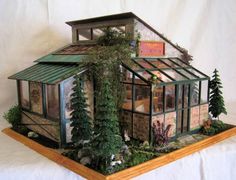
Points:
[183,108]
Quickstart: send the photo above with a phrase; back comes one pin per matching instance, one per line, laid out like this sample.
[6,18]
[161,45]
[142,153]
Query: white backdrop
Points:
[32,28]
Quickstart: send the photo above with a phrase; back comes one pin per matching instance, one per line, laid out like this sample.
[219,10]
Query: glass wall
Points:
[36,99]
[141,98]
[68,85]
[204,91]
[195,93]
[158,105]
[24,94]
[169,97]
[52,102]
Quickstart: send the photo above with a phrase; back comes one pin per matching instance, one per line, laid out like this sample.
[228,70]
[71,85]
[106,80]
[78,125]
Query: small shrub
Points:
[13,116]
[212,127]
[161,133]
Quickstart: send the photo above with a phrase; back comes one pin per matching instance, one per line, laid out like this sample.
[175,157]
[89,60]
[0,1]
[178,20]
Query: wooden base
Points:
[124,174]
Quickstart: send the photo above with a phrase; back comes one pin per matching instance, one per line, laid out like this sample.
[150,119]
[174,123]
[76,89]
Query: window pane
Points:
[145,75]
[161,76]
[84,34]
[24,94]
[180,97]
[180,63]
[170,97]
[158,64]
[52,101]
[127,75]
[97,32]
[36,97]
[127,97]
[158,99]
[67,96]
[144,64]
[186,95]
[142,98]
[175,75]
[170,63]
[195,93]
[204,91]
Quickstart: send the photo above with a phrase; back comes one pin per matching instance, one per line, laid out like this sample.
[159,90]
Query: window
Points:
[97,32]
[68,85]
[142,98]
[36,97]
[52,102]
[170,98]
[204,91]
[24,94]
[84,34]
[195,93]
[158,100]
[127,104]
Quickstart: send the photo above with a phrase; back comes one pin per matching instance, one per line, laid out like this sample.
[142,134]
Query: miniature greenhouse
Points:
[167,90]
[161,85]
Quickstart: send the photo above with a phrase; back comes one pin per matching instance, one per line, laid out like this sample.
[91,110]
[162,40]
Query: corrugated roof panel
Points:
[47,73]
[56,58]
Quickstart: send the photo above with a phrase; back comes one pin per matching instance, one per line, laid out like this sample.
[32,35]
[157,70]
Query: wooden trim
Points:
[124,174]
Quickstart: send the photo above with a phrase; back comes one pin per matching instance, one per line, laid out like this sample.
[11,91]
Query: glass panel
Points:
[141,126]
[84,34]
[158,64]
[127,97]
[186,95]
[179,121]
[170,97]
[145,75]
[138,80]
[127,75]
[52,101]
[174,74]
[68,85]
[24,94]
[196,73]
[120,29]
[36,97]
[170,119]
[158,99]
[97,32]
[180,97]
[195,93]
[142,98]
[171,64]
[204,91]
[144,64]
[185,120]
[184,72]
[161,76]
[179,62]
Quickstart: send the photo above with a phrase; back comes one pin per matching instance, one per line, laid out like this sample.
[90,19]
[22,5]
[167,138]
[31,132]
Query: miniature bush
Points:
[160,133]
[212,127]
[13,116]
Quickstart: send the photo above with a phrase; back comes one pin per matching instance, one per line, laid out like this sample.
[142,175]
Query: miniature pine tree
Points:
[80,120]
[216,106]
[107,139]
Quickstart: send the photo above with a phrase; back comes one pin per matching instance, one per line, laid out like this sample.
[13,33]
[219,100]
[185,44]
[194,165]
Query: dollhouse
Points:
[161,86]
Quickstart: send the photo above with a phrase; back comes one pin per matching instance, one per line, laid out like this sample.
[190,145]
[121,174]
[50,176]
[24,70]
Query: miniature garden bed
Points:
[128,173]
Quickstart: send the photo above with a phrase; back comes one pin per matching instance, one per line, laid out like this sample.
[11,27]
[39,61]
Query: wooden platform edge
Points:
[124,174]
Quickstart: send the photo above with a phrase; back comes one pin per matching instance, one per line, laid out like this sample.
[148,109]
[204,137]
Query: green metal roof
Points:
[47,73]
[58,58]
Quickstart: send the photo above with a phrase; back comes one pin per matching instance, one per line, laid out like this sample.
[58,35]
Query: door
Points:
[183,108]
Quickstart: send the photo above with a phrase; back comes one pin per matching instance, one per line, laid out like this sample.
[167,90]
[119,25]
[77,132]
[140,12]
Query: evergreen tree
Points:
[80,120]
[107,139]
[216,106]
